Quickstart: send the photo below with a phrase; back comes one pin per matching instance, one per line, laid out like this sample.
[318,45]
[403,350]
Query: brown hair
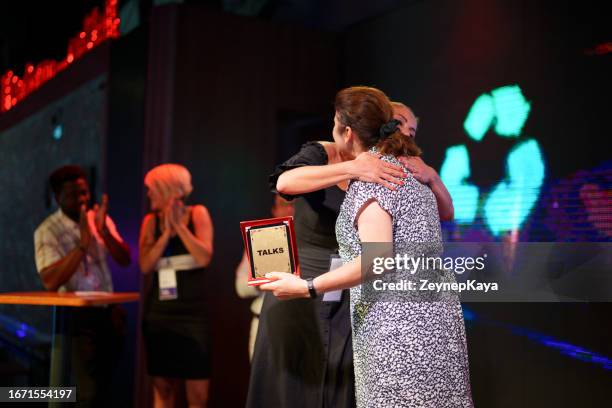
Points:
[366,110]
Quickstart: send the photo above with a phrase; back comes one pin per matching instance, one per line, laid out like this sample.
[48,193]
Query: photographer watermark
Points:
[487,272]
[412,265]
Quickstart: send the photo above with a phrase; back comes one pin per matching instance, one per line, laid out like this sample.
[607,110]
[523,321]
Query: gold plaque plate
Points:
[270,247]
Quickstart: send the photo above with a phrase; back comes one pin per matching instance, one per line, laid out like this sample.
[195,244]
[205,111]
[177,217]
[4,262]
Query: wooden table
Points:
[62,304]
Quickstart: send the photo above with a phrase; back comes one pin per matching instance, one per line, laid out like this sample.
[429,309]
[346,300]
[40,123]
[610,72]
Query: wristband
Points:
[311,289]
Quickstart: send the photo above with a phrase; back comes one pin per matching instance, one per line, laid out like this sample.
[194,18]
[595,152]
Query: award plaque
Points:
[270,247]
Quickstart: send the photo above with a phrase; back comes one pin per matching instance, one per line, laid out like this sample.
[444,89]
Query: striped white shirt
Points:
[57,235]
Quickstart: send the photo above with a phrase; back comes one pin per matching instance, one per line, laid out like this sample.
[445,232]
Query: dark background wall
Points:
[438,57]
[237,81]
[123,183]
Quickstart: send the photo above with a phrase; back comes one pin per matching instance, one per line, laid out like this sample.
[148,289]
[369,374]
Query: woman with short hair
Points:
[176,245]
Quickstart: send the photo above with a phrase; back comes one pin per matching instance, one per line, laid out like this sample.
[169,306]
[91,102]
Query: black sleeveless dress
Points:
[303,353]
[176,332]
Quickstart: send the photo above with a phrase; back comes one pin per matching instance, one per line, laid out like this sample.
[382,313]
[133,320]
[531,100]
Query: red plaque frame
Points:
[246,226]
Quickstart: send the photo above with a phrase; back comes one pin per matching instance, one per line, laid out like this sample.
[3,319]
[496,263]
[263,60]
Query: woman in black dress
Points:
[175,246]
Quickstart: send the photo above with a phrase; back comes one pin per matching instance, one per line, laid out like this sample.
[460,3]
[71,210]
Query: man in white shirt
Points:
[72,243]
[71,248]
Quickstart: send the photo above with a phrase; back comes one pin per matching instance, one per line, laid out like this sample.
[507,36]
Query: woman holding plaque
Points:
[303,352]
[407,353]
[175,247]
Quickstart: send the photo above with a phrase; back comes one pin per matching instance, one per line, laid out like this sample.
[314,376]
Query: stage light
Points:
[99,26]
[509,202]
[511,110]
[58,132]
[563,347]
[454,172]
[480,117]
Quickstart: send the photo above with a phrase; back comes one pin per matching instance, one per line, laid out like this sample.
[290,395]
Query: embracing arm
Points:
[306,179]
[446,210]
[429,176]
[366,167]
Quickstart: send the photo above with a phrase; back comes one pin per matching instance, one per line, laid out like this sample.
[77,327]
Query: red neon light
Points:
[96,29]
[601,49]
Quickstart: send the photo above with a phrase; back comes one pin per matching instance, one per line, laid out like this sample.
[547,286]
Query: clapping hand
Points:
[173,216]
[100,214]
[84,229]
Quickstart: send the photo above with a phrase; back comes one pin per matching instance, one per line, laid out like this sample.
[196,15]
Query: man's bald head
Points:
[408,121]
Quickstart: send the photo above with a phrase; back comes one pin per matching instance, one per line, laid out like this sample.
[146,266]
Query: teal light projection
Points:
[480,117]
[511,110]
[509,203]
[454,172]
[58,131]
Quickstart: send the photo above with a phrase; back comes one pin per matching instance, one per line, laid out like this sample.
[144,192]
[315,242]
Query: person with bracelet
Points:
[72,246]
[408,351]
[303,353]
[316,178]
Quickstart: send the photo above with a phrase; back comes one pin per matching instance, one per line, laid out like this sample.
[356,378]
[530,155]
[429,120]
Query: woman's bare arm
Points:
[365,167]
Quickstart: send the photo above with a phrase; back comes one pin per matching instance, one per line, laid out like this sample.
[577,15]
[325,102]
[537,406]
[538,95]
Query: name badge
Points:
[335,295]
[167,284]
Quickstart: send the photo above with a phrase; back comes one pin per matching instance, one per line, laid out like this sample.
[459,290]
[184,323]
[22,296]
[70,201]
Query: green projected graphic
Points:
[454,173]
[508,203]
[511,110]
[480,117]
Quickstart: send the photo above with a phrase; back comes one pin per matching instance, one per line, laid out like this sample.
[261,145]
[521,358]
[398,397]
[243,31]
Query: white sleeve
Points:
[46,248]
